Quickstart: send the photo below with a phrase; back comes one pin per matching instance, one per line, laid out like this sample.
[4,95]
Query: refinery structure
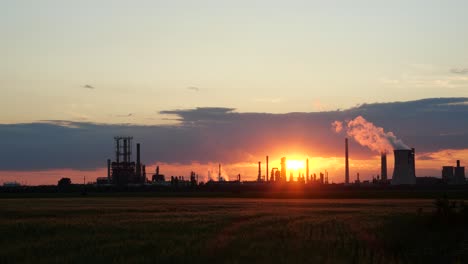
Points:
[125,171]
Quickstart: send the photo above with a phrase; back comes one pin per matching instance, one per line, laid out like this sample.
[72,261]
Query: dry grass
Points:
[149,230]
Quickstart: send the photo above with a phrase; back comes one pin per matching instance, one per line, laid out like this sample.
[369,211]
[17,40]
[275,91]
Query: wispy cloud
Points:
[127,115]
[193,88]
[88,86]
[459,70]
[435,81]
[423,76]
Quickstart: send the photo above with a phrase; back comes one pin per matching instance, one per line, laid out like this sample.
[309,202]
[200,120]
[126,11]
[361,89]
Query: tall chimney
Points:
[266,174]
[108,170]
[458,163]
[259,171]
[383,166]
[283,169]
[138,168]
[219,172]
[346,162]
[413,161]
[307,168]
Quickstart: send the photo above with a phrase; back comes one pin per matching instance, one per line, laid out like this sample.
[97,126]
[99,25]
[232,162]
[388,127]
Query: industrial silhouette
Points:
[123,171]
[453,175]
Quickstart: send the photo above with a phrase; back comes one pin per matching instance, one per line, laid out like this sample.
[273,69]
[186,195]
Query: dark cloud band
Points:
[223,135]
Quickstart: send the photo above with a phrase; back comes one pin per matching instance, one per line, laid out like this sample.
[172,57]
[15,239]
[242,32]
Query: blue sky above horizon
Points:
[162,70]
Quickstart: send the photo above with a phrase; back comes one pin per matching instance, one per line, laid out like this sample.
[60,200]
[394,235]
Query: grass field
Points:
[227,230]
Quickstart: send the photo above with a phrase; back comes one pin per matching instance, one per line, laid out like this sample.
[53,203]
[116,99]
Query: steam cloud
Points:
[369,135]
[337,126]
[193,88]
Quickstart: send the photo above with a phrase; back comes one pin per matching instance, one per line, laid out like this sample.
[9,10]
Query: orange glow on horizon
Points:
[427,164]
[295,164]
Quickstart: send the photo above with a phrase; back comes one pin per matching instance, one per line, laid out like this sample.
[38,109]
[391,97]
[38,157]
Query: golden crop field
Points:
[227,230]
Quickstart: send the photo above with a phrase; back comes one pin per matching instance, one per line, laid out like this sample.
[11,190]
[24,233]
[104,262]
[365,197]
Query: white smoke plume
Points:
[213,172]
[371,136]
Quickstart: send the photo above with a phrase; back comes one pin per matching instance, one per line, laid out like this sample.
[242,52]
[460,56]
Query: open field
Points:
[227,230]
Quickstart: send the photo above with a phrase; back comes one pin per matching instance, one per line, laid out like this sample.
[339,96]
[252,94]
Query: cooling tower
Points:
[404,170]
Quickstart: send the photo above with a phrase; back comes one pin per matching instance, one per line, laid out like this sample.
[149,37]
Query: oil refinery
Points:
[124,171]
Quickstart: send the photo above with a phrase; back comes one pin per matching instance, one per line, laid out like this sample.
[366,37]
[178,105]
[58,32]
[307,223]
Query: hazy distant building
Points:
[64,182]
[454,175]
[158,177]
[11,184]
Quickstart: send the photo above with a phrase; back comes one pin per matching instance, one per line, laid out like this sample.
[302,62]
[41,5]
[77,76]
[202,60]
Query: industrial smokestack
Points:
[259,171]
[346,162]
[138,172]
[307,169]
[266,174]
[383,166]
[108,169]
[283,169]
[404,170]
[219,172]
[458,163]
[413,163]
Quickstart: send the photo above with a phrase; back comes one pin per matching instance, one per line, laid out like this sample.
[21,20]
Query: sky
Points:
[151,65]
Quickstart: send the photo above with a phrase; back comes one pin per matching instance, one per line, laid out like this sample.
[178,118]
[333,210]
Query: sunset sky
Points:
[203,82]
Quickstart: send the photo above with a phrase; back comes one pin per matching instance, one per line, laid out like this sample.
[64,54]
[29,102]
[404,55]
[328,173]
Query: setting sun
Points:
[294,164]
